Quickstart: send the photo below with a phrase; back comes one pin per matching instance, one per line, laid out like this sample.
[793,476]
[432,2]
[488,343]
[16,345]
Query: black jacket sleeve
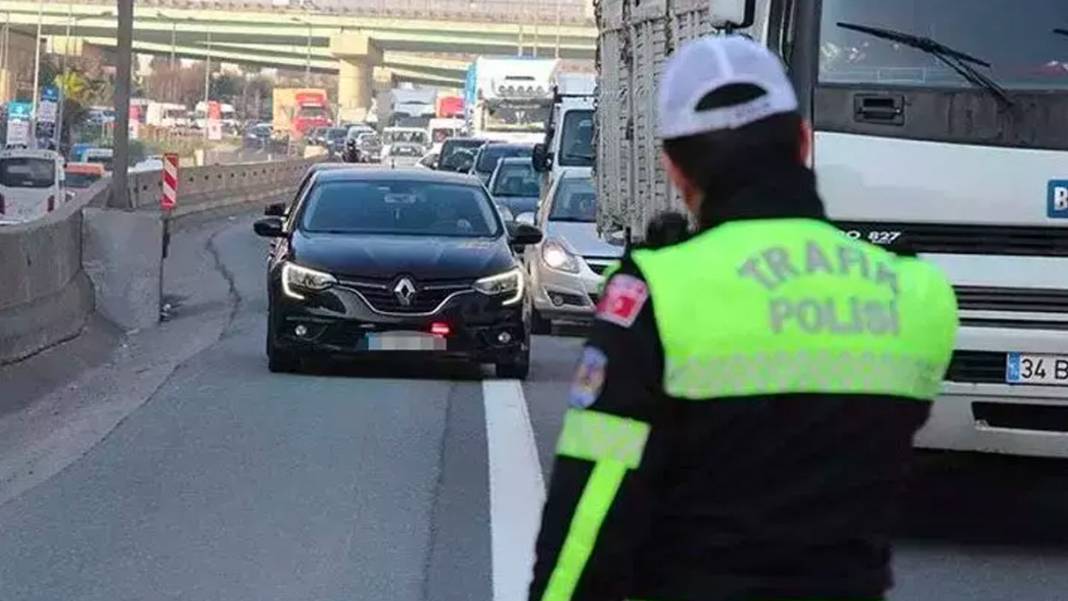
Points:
[611,452]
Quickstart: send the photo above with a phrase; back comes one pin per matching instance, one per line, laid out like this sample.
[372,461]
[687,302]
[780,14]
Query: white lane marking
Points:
[517,488]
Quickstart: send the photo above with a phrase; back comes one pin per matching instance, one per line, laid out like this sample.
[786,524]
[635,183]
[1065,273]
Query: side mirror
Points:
[731,14]
[276,209]
[270,227]
[525,235]
[541,158]
[526,219]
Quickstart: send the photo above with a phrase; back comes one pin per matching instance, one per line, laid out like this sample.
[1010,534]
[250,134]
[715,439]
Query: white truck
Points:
[512,98]
[918,145]
[569,134]
[167,114]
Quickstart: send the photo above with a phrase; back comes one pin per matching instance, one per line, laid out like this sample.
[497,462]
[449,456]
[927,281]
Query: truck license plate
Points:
[1023,368]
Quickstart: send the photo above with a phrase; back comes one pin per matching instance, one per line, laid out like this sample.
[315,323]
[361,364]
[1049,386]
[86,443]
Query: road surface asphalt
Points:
[182,469]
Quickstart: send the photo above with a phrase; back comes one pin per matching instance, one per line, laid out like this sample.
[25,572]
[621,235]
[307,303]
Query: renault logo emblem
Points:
[404,290]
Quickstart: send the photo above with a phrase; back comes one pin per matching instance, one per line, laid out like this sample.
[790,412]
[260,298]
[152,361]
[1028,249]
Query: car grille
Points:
[599,264]
[1039,241]
[429,295]
[1024,300]
[979,367]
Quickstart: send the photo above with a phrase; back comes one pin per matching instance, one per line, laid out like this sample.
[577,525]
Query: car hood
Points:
[385,257]
[583,239]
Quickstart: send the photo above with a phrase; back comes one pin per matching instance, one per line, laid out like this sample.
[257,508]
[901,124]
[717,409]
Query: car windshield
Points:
[25,172]
[517,179]
[336,133]
[575,200]
[450,149]
[413,136]
[401,207]
[576,144]
[493,153]
[81,180]
[1015,36]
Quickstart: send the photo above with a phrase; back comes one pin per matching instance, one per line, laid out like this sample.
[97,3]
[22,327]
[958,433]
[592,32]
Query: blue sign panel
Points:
[19,110]
[1057,201]
[50,94]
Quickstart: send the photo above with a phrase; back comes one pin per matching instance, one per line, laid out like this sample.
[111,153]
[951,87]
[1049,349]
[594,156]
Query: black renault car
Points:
[399,263]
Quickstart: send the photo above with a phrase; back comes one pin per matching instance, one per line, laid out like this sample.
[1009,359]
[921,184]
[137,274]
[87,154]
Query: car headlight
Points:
[558,257]
[508,283]
[295,276]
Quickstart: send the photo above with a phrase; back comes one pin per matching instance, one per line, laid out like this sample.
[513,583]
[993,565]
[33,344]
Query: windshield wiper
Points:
[579,155]
[1063,32]
[960,62]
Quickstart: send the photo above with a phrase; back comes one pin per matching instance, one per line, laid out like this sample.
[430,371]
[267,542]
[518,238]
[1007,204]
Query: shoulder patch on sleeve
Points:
[623,299]
[589,379]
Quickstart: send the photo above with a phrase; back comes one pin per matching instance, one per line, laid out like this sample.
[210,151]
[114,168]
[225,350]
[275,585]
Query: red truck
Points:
[299,110]
[450,107]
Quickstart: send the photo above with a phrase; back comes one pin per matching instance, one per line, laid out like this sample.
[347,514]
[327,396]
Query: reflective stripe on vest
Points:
[794,306]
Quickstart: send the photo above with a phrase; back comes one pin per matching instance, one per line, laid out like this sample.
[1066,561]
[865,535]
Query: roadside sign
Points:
[169,198]
[214,129]
[18,133]
[47,108]
[135,122]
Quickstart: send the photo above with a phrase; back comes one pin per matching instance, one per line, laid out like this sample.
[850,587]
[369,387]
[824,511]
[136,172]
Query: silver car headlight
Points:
[297,277]
[509,283]
[557,256]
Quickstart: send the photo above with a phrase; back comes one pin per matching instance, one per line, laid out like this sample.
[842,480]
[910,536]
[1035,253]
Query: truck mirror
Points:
[540,158]
[731,14]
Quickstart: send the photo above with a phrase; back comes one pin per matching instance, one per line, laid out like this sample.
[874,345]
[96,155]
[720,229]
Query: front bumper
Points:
[341,321]
[561,295]
[978,411]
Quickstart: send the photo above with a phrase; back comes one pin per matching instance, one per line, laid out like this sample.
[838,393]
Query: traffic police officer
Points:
[744,409]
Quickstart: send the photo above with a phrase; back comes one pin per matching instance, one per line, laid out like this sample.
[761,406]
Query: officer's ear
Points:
[806,143]
[688,189]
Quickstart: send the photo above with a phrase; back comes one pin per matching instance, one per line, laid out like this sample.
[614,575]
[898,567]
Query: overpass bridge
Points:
[360,40]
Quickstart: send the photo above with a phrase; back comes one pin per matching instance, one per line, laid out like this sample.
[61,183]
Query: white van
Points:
[31,184]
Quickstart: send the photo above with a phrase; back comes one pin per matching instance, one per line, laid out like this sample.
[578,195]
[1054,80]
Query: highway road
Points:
[378,482]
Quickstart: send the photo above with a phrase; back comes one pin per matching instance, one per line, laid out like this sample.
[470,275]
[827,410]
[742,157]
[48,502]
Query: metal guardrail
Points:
[547,12]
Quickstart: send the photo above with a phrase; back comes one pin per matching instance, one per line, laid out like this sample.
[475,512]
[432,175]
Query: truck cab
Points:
[569,137]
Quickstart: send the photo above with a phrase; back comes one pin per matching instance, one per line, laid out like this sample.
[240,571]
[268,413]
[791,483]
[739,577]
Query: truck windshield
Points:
[1015,36]
[520,116]
[576,144]
[19,172]
[312,112]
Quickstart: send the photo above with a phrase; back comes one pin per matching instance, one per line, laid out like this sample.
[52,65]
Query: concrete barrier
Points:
[48,292]
[47,296]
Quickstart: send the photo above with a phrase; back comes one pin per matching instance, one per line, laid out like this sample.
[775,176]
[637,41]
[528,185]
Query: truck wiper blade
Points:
[1063,32]
[959,61]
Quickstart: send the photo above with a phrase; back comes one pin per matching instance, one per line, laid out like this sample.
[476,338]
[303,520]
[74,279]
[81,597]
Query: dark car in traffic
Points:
[457,153]
[363,147]
[492,152]
[401,263]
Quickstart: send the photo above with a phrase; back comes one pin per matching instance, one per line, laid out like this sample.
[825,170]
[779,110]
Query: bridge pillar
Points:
[358,56]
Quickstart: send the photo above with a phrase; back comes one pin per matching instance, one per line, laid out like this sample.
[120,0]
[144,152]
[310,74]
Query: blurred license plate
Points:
[404,341]
[1022,368]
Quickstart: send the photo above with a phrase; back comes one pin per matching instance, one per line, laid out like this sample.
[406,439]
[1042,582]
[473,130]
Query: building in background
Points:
[16,68]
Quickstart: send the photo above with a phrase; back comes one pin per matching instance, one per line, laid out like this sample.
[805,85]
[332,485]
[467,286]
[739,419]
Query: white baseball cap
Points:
[722,64]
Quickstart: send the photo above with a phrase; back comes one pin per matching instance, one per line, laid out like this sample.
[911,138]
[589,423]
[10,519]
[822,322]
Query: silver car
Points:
[566,268]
